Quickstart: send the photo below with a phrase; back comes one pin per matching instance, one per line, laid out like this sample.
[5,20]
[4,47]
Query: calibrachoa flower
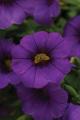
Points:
[42,10]
[42,58]
[6,73]
[44,103]
[10,13]
[72,113]
[72,29]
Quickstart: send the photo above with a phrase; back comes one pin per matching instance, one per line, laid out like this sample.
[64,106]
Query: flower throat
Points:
[6,2]
[49,2]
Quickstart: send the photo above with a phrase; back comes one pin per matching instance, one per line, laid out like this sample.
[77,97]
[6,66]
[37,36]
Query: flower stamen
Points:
[7,65]
[41,57]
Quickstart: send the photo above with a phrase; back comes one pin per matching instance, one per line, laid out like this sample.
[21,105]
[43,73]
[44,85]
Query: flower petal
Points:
[19,52]
[28,43]
[40,39]
[54,39]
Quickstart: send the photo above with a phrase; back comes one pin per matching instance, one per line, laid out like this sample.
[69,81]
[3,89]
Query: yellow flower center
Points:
[41,57]
[7,64]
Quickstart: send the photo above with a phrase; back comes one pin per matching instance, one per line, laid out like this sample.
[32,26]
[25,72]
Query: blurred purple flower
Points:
[42,58]
[72,29]
[43,11]
[6,74]
[10,13]
[43,104]
[72,113]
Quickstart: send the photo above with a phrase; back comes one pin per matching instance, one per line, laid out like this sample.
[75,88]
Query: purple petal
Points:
[16,14]
[11,15]
[54,39]
[59,99]
[28,43]
[64,49]
[43,108]
[63,65]
[76,51]
[72,28]
[4,80]
[42,15]
[40,39]
[20,66]
[72,113]
[19,52]
[40,78]
[28,5]
[29,77]
[55,8]
[14,78]
[47,75]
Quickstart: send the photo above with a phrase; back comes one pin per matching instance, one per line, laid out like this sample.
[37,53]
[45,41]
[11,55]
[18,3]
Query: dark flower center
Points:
[42,94]
[49,2]
[5,65]
[40,58]
[6,2]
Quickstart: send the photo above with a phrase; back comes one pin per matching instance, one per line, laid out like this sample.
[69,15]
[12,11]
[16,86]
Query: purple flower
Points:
[6,73]
[42,58]
[72,113]
[72,29]
[42,10]
[10,13]
[44,103]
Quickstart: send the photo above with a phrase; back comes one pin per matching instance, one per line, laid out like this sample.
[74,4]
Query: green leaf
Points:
[23,117]
[71,84]
[73,2]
